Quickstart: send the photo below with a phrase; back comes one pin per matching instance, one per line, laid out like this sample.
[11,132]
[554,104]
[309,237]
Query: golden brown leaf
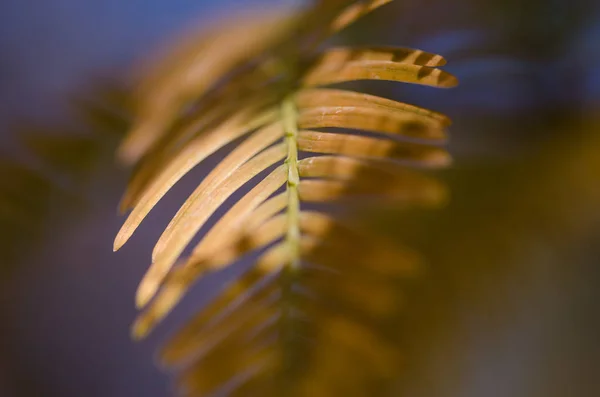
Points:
[313,267]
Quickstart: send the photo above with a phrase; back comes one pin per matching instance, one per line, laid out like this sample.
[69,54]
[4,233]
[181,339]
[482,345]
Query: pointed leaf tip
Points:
[139,330]
[118,243]
[146,290]
[123,236]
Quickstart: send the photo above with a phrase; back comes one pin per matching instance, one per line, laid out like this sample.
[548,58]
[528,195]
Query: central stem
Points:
[290,128]
[289,116]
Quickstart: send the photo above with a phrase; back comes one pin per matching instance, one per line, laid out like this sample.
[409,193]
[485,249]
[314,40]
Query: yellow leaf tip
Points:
[118,243]
[145,292]
[122,237]
[440,158]
[139,330]
[448,80]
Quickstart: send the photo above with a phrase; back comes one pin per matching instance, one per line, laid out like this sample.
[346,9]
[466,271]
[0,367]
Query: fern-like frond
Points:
[318,280]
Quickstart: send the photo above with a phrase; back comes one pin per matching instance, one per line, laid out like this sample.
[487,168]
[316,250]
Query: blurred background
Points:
[509,304]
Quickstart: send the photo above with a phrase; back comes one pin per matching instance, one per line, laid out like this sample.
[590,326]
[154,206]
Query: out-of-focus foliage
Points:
[59,162]
[508,303]
[512,240]
[311,316]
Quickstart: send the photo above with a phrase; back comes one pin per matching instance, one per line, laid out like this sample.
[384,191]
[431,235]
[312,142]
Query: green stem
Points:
[290,128]
[289,115]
